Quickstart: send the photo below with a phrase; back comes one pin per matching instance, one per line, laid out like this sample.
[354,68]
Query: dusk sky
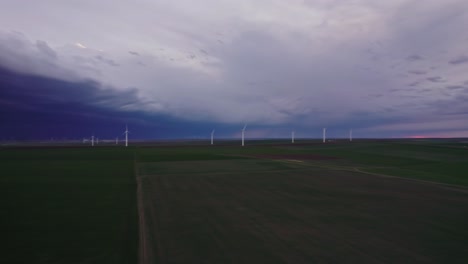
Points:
[178,69]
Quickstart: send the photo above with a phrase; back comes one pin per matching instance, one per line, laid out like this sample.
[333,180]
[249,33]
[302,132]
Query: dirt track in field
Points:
[144,255]
[299,217]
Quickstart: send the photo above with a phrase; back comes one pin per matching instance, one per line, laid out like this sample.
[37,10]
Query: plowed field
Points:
[255,211]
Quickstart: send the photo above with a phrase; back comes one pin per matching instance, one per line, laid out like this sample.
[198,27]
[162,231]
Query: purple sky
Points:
[383,68]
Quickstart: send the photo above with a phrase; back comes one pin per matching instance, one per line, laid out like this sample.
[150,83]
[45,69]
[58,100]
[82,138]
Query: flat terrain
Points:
[262,211]
[68,206]
[269,202]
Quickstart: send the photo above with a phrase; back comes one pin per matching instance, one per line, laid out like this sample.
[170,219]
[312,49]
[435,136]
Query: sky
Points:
[179,69]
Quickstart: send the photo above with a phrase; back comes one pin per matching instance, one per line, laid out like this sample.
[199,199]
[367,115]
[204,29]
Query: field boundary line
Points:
[453,187]
[143,253]
[221,173]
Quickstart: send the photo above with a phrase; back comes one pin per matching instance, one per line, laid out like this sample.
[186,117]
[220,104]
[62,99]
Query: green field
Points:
[264,203]
[68,206]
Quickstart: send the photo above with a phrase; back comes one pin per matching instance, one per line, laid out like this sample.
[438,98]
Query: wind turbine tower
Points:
[292,137]
[126,136]
[243,132]
[212,136]
[324,134]
[350,135]
[92,141]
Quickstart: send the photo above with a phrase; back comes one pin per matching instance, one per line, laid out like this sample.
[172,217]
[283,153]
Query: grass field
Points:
[265,203]
[68,206]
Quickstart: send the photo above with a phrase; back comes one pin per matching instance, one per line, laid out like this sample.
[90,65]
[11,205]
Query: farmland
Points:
[68,206]
[369,201]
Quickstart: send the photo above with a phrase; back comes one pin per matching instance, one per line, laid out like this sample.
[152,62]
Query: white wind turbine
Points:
[292,136]
[92,140]
[350,135]
[126,135]
[212,136]
[243,132]
[324,134]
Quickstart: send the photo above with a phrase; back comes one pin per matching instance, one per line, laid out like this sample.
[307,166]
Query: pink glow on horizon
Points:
[418,136]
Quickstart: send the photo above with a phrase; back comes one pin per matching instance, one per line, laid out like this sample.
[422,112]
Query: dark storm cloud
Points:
[34,91]
[33,107]
[245,60]
[459,60]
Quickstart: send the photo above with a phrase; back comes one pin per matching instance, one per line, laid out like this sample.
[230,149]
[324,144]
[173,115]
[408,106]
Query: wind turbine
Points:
[324,134]
[126,135]
[350,135]
[292,136]
[92,140]
[212,135]
[243,132]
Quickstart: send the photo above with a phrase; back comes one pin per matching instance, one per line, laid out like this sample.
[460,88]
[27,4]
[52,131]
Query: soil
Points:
[300,217]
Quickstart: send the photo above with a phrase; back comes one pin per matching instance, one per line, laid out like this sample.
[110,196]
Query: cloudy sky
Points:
[180,68]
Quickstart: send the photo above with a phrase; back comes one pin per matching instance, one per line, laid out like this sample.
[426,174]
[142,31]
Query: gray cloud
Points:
[106,61]
[455,87]
[436,79]
[396,90]
[414,57]
[451,106]
[19,54]
[247,61]
[43,47]
[459,60]
[416,72]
